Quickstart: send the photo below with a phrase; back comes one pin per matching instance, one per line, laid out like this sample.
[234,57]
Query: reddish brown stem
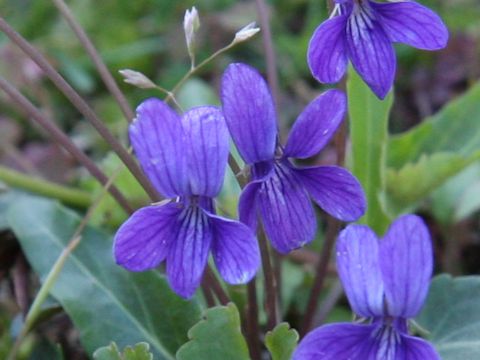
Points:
[270,284]
[215,286]
[253,329]
[81,106]
[59,136]
[102,69]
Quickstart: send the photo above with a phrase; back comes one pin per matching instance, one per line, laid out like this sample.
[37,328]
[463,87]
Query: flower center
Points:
[388,338]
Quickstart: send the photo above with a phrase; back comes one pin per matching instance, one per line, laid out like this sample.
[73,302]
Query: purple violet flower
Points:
[279,191]
[364,32]
[185,158]
[386,282]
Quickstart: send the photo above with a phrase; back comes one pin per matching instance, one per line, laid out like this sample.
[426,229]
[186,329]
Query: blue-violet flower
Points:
[185,158]
[364,32]
[386,282]
[279,191]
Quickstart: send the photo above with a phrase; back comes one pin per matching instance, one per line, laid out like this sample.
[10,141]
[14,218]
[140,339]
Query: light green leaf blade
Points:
[105,302]
[140,351]
[450,202]
[452,318]
[469,202]
[196,92]
[217,337]
[433,152]
[410,184]
[369,135]
[454,129]
[109,352]
[281,341]
[108,211]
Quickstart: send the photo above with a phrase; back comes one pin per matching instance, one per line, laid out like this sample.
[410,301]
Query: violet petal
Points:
[316,125]
[335,190]
[208,146]
[247,205]
[286,210]
[413,24]
[359,270]
[342,341]
[143,241]
[250,113]
[413,348]
[406,260]
[188,255]
[158,139]
[235,250]
[327,54]
[371,51]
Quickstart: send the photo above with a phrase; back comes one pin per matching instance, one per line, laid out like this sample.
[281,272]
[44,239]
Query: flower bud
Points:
[137,79]
[246,33]
[191,24]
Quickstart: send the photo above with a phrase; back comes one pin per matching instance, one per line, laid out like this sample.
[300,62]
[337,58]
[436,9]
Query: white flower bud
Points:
[137,79]
[246,33]
[191,24]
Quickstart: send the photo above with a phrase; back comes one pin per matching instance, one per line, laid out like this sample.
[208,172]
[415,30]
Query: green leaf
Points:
[459,197]
[423,158]
[140,351]
[454,129]
[217,337]
[281,341]
[196,92]
[108,211]
[105,302]
[452,318]
[368,129]
[407,186]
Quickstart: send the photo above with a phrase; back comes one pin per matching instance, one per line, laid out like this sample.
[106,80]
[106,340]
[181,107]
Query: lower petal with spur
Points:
[235,250]
[341,341]
[335,190]
[188,254]
[286,210]
[143,241]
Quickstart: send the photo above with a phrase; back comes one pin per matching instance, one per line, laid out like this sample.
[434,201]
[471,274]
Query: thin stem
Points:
[320,274]
[252,321]
[81,106]
[270,283]
[215,286]
[237,171]
[196,68]
[331,299]
[333,227]
[33,114]
[272,76]
[35,185]
[103,71]
[277,270]
[207,293]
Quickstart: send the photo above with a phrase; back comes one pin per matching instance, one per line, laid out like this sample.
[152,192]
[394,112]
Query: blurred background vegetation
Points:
[147,36]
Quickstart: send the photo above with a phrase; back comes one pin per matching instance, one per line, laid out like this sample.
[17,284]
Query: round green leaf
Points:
[105,302]
[451,316]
